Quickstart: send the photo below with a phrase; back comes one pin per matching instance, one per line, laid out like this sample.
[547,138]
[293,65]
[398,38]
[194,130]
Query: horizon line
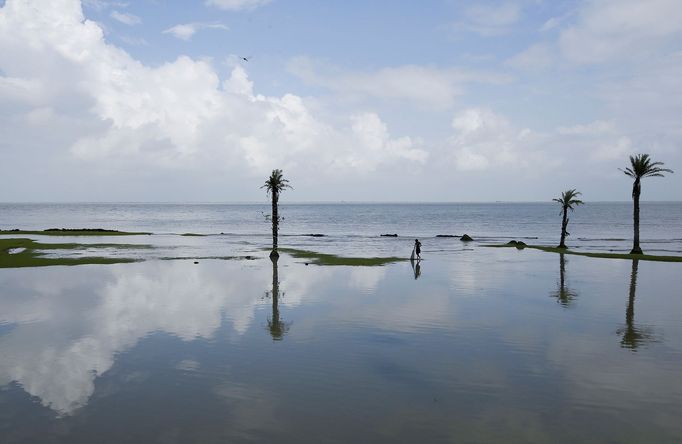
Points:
[316,202]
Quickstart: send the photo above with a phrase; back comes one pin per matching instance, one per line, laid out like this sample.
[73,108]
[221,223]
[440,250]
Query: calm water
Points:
[476,345]
[595,226]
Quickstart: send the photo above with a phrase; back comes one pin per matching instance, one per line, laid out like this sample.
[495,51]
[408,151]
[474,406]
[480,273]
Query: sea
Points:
[205,339]
[600,226]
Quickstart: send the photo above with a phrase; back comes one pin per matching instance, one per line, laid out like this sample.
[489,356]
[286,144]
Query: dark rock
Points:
[466,238]
[445,235]
[389,235]
[315,235]
[512,242]
[196,262]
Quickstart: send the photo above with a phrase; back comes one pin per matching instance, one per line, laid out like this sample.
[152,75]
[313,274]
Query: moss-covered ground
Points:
[643,257]
[71,232]
[32,254]
[331,259]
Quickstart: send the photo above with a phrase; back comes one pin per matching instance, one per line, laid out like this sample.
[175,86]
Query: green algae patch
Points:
[193,235]
[331,259]
[219,258]
[18,253]
[643,257]
[72,232]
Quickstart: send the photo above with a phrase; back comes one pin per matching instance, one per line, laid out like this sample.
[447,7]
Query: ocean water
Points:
[594,226]
[471,344]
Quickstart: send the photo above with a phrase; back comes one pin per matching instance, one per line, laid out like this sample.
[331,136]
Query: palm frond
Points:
[642,166]
[276,183]
[568,198]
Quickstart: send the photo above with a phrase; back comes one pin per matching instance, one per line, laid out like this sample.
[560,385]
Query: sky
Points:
[386,100]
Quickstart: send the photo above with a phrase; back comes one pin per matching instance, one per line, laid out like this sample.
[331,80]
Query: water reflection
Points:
[176,352]
[564,295]
[71,323]
[277,327]
[416,268]
[633,336]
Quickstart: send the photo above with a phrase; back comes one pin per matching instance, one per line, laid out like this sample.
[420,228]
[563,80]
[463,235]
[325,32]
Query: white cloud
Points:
[125,18]
[551,23]
[537,56]
[484,140]
[490,19]
[237,5]
[187,30]
[594,128]
[419,84]
[179,115]
[620,29]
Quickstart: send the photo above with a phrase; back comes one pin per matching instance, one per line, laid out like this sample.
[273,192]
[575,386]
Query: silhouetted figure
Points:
[418,248]
[563,295]
[276,326]
[633,336]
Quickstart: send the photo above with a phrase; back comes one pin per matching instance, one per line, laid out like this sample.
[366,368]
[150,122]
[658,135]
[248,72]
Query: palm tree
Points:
[641,166]
[567,200]
[274,186]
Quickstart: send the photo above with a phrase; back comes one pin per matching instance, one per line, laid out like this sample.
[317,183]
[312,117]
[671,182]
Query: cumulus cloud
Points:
[484,140]
[187,30]
[237,5]
[180,115]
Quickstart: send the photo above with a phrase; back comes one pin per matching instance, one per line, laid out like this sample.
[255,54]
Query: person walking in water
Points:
[418,248]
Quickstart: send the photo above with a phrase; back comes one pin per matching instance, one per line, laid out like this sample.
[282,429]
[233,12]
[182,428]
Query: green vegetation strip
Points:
[72,232]
[32,256]
[220,258]
[331,259]
[643,257]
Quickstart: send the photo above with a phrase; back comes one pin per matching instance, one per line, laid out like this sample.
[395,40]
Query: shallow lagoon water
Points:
[481,345]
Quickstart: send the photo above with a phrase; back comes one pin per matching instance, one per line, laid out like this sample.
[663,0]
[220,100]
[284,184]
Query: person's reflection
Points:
[563,294]
[633,336]
[416,268]
[276,326]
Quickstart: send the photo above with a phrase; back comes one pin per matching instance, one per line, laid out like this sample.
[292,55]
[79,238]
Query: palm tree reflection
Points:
[633,336]
[563,294]
[276,326]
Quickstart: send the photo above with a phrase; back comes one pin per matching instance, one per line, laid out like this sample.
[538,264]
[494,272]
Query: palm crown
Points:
[276,183]
[568,199]
[642,166]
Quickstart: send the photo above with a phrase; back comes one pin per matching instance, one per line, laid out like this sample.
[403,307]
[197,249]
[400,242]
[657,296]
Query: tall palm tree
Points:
[274,186]
[640,167]
[567,200]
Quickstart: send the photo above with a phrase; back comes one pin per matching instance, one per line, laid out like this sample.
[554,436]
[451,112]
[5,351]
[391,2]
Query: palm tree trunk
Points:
[636,190]
[275,223]
[564,224]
